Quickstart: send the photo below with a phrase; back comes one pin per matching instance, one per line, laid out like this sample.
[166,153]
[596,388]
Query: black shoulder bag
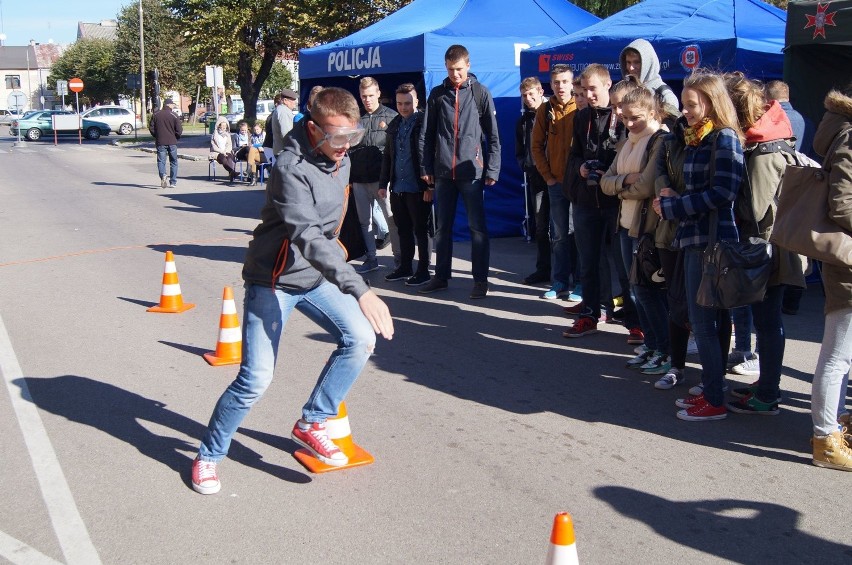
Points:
[734,273]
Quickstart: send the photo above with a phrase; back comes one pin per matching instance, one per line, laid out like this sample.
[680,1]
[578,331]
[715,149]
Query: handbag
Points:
[734,273]
[802,224]
[646,269]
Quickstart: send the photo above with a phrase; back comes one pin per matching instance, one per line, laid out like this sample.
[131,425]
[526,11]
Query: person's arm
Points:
[519,142]
[840,185]
[729,167]
[426,142]
[152,127]
[539,139]
[640,186]
[492,135]
[613,182]
[178,127]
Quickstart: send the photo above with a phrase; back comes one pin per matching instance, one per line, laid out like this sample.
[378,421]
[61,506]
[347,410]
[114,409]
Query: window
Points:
[13,82]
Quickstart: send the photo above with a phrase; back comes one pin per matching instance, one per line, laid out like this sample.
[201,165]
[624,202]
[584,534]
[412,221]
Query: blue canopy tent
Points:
[409,46]
[726,35]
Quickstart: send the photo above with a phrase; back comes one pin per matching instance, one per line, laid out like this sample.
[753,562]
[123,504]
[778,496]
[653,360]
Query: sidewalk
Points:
[193,146]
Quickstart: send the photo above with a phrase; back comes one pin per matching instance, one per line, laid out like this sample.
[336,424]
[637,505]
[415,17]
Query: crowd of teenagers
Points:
[611,169]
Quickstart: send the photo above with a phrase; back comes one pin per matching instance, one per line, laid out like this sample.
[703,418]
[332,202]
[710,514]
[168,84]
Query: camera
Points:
[594,177]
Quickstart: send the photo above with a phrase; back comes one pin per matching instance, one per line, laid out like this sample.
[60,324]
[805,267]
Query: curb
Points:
[186,156]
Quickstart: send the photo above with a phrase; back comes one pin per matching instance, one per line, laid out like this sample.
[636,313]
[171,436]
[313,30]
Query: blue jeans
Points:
[447,193]
[591,228]
[742,318]
[561,263]
[171,150]
[705,326]
[651,304]
[266,314]
[771,341]
[831,377]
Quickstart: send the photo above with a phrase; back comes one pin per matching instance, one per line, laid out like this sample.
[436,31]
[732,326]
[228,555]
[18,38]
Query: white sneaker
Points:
[749,367]
[699,388]
[672,378]
[691,346]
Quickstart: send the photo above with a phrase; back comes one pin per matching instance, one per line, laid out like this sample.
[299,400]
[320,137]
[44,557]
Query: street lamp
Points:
[142,64]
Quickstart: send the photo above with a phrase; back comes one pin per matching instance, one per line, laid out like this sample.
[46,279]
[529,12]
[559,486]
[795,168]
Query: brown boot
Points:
[832,452]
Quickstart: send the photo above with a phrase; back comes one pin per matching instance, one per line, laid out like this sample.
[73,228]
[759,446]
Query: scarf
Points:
[693,135]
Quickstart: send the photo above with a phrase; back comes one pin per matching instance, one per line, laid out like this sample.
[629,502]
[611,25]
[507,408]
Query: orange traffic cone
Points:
[229,347]
[340,433]
[171,301]
[562,549]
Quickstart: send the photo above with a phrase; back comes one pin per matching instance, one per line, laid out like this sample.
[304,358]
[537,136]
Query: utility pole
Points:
[142,65]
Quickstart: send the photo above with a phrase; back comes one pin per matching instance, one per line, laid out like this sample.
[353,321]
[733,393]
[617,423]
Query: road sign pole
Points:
[79,120]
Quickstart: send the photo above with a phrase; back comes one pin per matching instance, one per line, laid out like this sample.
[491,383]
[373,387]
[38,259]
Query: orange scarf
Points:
[694,134]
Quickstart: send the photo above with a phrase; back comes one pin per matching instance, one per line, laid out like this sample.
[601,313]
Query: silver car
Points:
[120,119]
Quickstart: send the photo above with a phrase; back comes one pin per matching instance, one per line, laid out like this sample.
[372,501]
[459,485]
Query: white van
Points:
[264,109]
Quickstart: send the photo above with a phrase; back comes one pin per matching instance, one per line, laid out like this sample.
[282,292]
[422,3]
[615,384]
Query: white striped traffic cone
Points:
[171,301]
[563,550]
[341,434]
[229,346]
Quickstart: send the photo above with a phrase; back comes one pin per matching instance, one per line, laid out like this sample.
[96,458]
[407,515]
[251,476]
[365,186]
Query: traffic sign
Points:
[75,84]
[61,87]
[17,101]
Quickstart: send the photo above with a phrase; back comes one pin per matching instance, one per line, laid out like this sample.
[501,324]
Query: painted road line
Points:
[20,553]
[67,523]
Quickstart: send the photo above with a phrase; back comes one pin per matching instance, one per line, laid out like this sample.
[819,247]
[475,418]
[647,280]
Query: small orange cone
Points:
[563,550]
[229,347]
[171,301]
[340,433]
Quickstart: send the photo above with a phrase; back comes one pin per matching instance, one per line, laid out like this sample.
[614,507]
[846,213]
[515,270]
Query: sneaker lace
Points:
[206,471]
[322,438]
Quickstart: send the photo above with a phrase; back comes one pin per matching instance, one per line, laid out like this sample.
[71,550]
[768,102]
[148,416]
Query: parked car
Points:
[120,119]
[41,123]
[263,110]
[207,117]
[6,117]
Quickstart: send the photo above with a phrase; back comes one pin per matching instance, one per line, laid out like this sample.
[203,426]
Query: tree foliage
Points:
[92,61]
[164,46]
[279,78]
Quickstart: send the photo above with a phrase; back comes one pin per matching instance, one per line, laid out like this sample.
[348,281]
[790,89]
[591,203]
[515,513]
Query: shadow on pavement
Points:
[118,412]
[234,203]
[739,531]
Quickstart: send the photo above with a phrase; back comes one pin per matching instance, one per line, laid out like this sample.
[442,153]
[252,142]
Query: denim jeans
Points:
[651,304]
[266,314]
[632,317]
[705,326]
[742,318]
[366,196]
[561,264]
[591,228]
[171,150]
[831,378]
[447,193]
[543,259]
[411,215]
[770,338]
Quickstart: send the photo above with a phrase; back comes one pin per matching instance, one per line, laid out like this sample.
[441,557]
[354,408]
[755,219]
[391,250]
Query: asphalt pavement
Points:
[483,420]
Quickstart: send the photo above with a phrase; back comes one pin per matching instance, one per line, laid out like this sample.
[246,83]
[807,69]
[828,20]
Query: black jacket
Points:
[455,121]
[165,127]
[388,168]
[367,156]
[523,140]
[596,132]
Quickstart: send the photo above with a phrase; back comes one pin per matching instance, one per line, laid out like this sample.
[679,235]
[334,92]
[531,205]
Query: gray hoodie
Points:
[295,246]
[650,70]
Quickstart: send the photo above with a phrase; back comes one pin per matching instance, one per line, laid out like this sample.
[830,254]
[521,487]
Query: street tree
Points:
[164,47]
[279,78]
[92,61]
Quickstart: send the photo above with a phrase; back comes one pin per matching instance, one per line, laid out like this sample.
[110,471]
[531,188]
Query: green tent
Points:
[817,53]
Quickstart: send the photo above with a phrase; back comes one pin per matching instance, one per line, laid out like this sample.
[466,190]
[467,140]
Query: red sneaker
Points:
[314,438]
[703,412]
[636,337]
[205,480]
[575,310]
[581,327]
[691,400]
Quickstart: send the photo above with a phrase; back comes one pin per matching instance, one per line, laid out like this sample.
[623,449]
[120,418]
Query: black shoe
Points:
[480,289]
[398,275]
[617,316]
[537,278]
[417,279]
[434,285]
[382,242]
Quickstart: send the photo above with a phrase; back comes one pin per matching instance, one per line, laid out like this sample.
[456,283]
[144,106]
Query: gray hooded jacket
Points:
[650,71]
[295,246]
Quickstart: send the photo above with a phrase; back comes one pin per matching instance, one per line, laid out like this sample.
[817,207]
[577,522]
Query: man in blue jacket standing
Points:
[459,114]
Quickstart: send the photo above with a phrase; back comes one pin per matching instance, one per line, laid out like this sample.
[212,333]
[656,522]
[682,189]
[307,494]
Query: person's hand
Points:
[490,182]
[383,193]
[656,206]
[631,178]
[428,179]
[584,171]
[551,181]
[377,313]
[428,195]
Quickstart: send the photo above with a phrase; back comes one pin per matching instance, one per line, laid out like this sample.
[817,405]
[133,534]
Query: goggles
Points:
[342,136]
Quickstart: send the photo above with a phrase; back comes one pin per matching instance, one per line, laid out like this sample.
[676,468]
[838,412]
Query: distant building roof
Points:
[15,57]
[106,29]
[47,54]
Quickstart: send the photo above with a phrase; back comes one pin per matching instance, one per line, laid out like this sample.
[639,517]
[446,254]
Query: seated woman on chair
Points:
[245,150]
[221,148]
